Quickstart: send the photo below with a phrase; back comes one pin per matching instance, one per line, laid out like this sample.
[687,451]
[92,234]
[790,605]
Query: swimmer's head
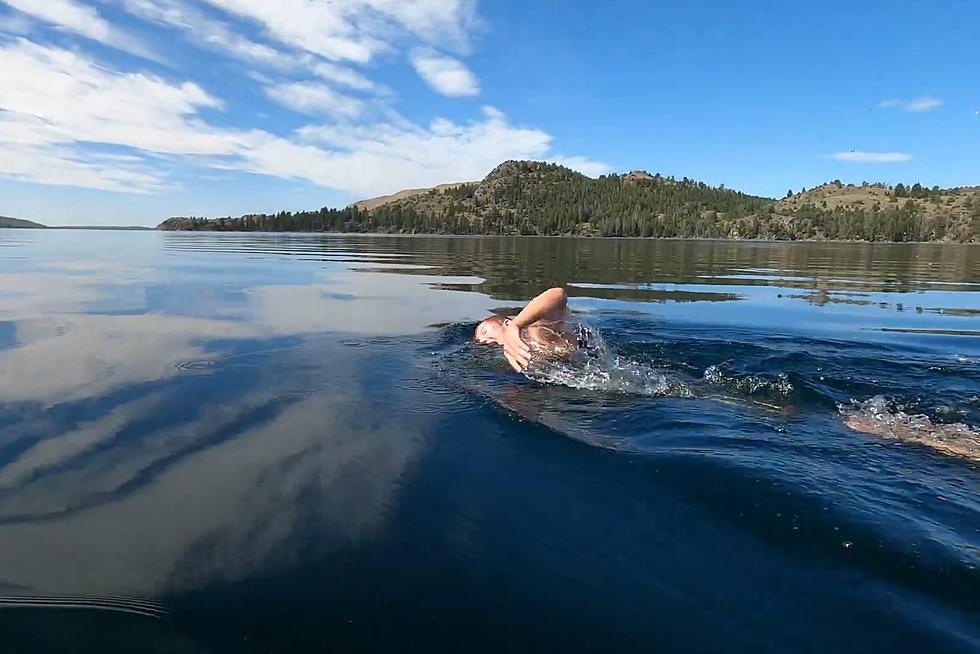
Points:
[490,331]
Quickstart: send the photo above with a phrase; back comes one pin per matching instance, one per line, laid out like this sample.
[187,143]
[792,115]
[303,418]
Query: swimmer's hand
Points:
[516,351]
[549,305]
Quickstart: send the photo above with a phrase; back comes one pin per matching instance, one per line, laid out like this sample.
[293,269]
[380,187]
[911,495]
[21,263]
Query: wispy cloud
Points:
[59,104]
[67,14]
[342,75]
[75,17]
[916,105]
[204,31]
[445,74]
[314,98]
[222,38]
[385,157]
[356,30]
[583,165]
[872,157]
[68,118]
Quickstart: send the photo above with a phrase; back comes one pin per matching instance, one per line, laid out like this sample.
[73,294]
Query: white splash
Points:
[749,384]
[881,417]
[594,366]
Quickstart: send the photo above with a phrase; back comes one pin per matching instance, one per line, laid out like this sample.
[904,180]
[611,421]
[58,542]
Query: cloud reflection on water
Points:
[215,514]
[116,480]
[148,446]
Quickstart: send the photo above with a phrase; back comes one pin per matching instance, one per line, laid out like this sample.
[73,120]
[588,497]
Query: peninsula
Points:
[18,223]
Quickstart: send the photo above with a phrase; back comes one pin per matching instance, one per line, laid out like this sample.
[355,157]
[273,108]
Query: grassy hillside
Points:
[937,214]
[373,203]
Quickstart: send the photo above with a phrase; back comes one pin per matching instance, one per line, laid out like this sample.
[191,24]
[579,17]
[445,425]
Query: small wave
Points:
[210,365]
[749,384]
[133,605]
[196,367]
[594,366]
[883,417]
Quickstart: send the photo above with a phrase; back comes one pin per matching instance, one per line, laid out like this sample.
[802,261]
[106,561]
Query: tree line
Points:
[531,198]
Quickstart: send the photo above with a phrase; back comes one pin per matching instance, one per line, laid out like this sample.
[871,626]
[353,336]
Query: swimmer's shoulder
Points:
[555,337]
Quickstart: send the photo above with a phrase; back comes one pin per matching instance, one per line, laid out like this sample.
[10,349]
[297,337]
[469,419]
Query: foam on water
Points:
[887,418]
[748,384]
[595,366]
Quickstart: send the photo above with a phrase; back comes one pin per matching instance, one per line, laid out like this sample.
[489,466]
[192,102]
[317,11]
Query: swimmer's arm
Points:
[549,305]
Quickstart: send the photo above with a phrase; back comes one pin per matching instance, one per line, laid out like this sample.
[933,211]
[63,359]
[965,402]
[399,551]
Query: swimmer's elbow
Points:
[558,296]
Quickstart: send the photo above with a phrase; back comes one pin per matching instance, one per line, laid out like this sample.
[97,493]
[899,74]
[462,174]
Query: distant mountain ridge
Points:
[537,198]
[7,222]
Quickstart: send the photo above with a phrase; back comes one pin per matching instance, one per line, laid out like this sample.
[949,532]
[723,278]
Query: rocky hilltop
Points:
[531,197]
[536,198]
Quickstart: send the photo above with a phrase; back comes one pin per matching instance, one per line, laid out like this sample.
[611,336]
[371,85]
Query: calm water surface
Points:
[272,443]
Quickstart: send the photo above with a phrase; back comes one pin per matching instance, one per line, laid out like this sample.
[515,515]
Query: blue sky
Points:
[130,111]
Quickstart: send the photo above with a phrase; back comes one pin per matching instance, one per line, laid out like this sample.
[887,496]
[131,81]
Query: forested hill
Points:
[526,197]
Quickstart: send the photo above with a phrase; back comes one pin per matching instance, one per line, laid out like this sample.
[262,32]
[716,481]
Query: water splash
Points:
[748,384]
[595,366]
[881,416]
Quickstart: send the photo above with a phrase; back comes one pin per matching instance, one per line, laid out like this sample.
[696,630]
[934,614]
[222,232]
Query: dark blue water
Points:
[279,443]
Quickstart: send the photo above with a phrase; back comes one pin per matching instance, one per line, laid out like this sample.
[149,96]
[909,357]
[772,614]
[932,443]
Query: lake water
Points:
[272,443]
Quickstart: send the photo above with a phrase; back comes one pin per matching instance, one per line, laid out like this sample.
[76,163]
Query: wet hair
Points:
[492,319]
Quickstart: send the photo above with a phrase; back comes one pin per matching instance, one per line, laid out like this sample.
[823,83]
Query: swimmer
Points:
[538,329]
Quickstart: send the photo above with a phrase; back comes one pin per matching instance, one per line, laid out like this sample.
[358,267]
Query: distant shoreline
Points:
[580,237]
[103,228]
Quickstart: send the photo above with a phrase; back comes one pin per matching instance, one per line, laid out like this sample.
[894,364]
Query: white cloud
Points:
[376,159]
[205,31]
[445,74]
[221,37]
[585,166]
[67,167]
[68,15]
[341,75]
[315,98]
[357,30]
[60,110]
[74,99]
[916,105]
[872,157]
[318,27]
[72,16]
[55,101]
